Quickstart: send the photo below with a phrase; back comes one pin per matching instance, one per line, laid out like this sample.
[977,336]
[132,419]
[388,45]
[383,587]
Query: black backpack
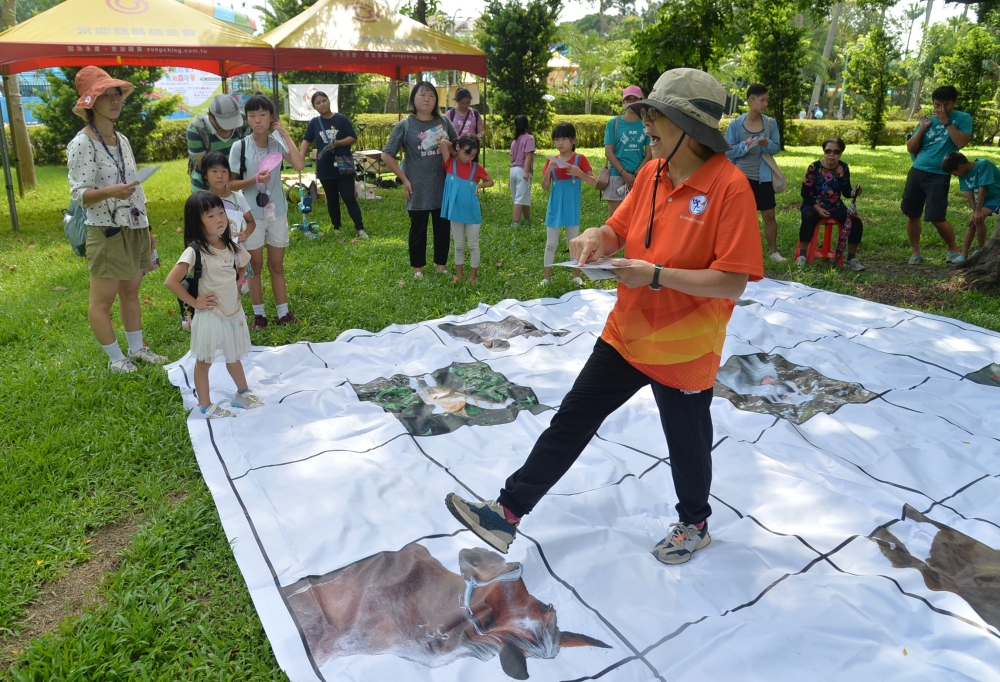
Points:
[190,282]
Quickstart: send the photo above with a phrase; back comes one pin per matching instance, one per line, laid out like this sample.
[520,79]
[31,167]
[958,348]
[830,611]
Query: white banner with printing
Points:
[300,100]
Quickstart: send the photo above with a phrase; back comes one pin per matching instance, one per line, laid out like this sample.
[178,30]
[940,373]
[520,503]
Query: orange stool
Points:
[829,249]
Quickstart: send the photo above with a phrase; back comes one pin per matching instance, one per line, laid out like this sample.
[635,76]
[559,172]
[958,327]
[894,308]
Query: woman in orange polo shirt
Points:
[691,243]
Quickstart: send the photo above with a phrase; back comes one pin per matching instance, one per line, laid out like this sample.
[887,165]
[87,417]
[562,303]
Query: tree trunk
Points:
[916,91]
[982,271]
[422,11]
[588,101]
[827,51]
[392,101]
[18,126]
[601,30]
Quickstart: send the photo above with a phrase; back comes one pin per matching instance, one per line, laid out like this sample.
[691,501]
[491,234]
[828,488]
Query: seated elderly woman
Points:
[826,180]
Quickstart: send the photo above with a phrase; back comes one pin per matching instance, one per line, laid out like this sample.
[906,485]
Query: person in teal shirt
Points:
[980,180]
[947,131]
[626,148]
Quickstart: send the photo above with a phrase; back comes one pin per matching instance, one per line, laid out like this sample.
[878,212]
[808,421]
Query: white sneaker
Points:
[146,355]
[777,257]
[248,400]
[854,264]
[362,234]
[123,366]
[543,283]
[801,261]
[577,281]
[215,411]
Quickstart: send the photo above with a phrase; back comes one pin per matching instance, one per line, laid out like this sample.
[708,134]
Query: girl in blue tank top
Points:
[460,204]
[565,174]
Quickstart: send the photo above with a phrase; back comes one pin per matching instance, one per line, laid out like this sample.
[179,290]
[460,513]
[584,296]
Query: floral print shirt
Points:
[824,186]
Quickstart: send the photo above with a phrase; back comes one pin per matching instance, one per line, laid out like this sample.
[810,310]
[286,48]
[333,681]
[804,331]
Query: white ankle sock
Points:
[258,309]
[134,341]
[113,351]
[282,309]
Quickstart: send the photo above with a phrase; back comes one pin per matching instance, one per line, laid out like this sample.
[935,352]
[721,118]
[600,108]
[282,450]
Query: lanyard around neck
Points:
[120,161]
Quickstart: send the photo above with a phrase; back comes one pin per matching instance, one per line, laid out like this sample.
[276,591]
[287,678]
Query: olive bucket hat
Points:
[694,101]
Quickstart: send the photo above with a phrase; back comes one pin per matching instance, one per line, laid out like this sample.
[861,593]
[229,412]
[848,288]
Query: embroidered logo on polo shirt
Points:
[698,204]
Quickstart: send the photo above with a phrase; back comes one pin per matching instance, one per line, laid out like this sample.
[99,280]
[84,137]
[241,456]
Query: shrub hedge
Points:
[170,139]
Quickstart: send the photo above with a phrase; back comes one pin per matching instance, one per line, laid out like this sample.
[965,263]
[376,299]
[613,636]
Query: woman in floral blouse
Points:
[826,181]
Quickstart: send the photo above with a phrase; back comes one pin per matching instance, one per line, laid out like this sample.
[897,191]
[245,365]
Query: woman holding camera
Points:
[102,178]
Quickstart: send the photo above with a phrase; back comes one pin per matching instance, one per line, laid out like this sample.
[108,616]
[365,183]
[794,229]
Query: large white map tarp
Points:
[856,505]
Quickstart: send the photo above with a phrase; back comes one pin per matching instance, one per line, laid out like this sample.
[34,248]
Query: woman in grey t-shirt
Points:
[421,135]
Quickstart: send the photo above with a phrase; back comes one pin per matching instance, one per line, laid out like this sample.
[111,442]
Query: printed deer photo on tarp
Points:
[408,604]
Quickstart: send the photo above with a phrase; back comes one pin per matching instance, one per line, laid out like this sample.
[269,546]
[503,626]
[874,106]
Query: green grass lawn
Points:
[82,449]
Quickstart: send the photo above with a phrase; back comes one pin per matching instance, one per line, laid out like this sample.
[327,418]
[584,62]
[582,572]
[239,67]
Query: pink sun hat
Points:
[632,91]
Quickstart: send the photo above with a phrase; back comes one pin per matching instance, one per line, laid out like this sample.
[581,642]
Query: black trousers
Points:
[810,218]
[418,237]
[606,382]
[342,188]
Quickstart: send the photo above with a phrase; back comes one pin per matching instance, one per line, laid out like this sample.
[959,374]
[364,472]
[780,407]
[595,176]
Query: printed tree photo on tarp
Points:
[408,604]
[449,398]
[987,376]
[495,335]
[769,384]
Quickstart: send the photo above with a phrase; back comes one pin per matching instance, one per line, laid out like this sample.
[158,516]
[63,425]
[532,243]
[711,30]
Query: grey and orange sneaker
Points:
[684,540]
[485,519]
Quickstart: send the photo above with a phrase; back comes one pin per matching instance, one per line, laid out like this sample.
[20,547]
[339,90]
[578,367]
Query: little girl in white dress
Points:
[219,327]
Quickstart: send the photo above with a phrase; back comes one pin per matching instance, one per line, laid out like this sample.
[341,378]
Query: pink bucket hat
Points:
[91,83]
[632,91]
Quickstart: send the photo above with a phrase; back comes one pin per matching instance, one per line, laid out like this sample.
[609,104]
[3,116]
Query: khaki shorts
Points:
[611,191]
[271,232]
[118,252]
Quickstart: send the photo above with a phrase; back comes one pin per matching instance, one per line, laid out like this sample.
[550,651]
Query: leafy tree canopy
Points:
[516,39]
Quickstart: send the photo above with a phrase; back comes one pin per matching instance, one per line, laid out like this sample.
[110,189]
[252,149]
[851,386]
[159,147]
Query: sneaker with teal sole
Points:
[247,400]
[485,519]
[684,540]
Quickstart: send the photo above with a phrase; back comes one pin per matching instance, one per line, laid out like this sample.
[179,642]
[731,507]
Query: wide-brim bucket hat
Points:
[91,83]
[694,101]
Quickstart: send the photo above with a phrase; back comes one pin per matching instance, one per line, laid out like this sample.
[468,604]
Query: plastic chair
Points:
[829,248]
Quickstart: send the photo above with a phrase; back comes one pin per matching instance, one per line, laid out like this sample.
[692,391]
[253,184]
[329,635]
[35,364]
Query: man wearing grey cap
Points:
[215,131]
[689,231]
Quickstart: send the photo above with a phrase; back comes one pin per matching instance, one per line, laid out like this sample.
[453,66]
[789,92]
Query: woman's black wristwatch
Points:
[657,267]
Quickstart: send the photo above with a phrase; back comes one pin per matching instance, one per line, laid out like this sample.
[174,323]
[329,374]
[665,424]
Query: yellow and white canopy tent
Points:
[364,36]
[129,33]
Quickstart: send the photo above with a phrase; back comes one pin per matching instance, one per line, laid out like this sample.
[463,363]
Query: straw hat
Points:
[91,83]
[694,101]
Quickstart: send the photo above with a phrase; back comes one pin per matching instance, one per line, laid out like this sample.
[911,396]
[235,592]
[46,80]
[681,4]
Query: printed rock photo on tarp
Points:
[856,506]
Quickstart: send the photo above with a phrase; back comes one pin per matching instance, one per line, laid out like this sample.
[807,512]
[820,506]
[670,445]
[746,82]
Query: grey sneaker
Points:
[854,264]
[683,541]
[215,411]
[362,234]
[123,366]
[801,261]
[777,257]
[485,519]
[146,355]
[247,400]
